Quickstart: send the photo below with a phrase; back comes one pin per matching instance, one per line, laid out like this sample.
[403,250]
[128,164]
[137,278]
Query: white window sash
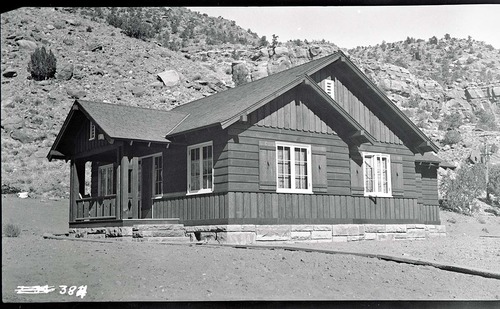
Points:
[293,162]
[200,175]
[376,162]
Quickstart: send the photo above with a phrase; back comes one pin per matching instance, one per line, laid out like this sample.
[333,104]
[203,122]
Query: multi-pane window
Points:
[92,131]
[293,168]
[105,180]
[200,168]
[377,174]
[157,175]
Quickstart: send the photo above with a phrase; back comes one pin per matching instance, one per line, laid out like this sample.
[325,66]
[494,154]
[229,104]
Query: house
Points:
[316,152]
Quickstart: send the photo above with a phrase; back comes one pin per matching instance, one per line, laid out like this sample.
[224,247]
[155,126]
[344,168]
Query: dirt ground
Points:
[129,271]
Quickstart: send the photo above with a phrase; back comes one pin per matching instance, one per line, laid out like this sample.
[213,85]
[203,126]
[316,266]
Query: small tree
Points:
[494,182]
[460,191]
[42,64]
[452,137]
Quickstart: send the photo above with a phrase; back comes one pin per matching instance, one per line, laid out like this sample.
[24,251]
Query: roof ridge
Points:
[130,106]
[317,63]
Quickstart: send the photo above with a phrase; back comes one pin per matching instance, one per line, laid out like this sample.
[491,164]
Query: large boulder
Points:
[65,71]
[278,65]
[26,44]
[169,78]
[259,71]
[240,72]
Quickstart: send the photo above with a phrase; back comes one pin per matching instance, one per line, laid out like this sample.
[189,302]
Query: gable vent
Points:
[328,87]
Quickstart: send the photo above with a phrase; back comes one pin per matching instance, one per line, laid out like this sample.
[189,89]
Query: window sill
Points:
[294,191]
[199,192]
[377,195]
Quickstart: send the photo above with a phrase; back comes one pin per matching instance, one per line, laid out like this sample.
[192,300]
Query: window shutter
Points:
[397,175]
[357,185]
[267,165]
[328,87]
[319,168]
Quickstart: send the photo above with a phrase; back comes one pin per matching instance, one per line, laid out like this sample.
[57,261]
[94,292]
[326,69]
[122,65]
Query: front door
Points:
[146,180]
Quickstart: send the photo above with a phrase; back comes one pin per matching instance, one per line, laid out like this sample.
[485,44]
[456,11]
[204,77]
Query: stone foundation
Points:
[250,233]
[247,234]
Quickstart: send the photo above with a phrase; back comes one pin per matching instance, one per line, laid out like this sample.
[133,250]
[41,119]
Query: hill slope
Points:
[430,80]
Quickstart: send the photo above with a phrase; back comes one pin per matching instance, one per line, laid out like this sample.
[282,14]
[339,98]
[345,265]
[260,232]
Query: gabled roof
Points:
[225,108]
[131,123]
[118,122]
[429,157]
[222,107]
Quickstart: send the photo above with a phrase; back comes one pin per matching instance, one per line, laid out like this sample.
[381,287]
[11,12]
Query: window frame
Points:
[92,131]
[107,168]
[154,182]
[292,147]
[376,179]
[199,146]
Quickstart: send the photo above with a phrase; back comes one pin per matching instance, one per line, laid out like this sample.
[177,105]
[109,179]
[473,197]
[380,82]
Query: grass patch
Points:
[12,230]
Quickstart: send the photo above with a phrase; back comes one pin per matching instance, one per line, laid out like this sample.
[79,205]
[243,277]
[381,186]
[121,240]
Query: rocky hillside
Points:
[98,58]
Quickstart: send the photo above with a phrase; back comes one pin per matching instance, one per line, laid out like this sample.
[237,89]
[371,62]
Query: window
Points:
[157,175]
[293,168]
[200,168]
[92,131]
[328,87]
[105,180]
[377,174]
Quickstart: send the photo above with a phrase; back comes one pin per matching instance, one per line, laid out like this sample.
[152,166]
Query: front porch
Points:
[124,181]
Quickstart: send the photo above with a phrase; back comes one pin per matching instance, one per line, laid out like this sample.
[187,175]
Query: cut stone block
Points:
[395,228]
[339,238]
[301,235]
[321,235]
[273,232]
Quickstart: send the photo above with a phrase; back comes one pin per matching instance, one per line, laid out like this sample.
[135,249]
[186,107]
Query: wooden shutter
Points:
[267,165]
[397,175]
[357,181]
[319,168]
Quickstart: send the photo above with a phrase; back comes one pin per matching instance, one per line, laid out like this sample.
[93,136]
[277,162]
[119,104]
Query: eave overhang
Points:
[420,142]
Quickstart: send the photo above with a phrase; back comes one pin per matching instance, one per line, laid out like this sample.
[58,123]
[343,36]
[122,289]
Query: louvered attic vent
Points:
[328,86]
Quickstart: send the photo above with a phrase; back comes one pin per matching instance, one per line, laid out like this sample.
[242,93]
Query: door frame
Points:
[153,196]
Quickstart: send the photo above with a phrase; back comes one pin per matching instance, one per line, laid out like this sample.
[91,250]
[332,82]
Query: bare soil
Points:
[130,271]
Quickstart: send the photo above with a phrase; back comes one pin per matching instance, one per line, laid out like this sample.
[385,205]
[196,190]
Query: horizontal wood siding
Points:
[278,208]
[244,172]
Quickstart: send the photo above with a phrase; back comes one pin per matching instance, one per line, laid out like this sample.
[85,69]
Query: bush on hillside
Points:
[42,64]
[486,121]
[452,137]
[12,230]
[460,190]
[451,121]
[494,183]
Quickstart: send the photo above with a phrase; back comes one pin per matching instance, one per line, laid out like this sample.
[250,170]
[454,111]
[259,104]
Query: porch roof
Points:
[131,123]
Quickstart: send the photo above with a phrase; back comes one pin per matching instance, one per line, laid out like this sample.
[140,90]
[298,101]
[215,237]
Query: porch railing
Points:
[93,208]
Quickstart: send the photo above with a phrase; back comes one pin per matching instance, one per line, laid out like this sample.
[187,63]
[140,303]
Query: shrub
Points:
[460,190]
[451,121]
[12,230]
[452,137]
[42,64]
[494,182]
[486,121]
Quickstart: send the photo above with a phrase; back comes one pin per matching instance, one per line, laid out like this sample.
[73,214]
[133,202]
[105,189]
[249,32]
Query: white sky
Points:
[353,26]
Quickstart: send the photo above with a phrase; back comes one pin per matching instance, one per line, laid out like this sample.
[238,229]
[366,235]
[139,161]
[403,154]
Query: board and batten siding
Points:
[356,108]
[82,142]
[286,208]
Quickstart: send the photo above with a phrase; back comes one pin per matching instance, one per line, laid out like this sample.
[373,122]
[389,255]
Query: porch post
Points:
[118,201]
[124,186]
[76,186]
[135,183]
